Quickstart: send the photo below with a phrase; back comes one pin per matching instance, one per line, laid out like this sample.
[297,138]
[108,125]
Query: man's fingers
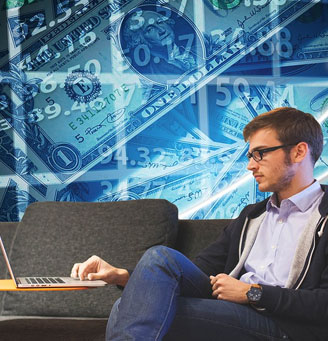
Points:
[83,270]
[75,270]
[213,279]
[94,276]
[89,266]
[215,285]
[215,293]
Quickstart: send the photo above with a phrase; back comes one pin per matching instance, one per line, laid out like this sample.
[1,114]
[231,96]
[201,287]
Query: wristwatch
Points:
[254,293]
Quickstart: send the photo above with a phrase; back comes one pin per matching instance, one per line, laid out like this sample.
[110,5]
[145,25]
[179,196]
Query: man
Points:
[265,278]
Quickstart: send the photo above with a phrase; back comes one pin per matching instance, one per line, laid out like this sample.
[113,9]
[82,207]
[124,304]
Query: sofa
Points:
[52,236]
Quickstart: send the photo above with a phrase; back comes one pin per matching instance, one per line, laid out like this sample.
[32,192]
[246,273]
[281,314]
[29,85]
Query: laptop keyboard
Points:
[44,280]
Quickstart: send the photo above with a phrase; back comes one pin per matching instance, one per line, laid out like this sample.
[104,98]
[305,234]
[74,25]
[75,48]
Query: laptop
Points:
[46,281]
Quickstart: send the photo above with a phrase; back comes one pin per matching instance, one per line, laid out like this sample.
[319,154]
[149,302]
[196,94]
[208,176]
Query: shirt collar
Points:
[302,200]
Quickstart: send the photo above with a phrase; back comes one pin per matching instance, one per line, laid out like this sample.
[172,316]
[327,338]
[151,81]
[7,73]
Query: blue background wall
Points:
[123,100]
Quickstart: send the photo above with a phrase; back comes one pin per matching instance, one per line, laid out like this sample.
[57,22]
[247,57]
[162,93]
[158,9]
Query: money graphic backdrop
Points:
[106,100]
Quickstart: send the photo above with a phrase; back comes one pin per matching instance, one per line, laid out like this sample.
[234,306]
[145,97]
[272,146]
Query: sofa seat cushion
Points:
[52,236]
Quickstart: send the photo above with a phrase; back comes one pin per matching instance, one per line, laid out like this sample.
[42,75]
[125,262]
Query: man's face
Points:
[156,29]
[275,171]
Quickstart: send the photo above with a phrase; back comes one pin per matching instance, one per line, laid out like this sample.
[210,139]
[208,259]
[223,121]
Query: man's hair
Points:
[292,126]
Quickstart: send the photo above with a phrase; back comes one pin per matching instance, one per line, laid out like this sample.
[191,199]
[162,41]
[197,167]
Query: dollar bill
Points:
[23,26]
[186,187]
[21,23]
[230,205]
[232,101]
[141,160]
[13,201]
[234,191]
[168,145]
[144,154]
[303,41]
[180,183]
[88,82]
[29,19]
[18,163]
[15,195]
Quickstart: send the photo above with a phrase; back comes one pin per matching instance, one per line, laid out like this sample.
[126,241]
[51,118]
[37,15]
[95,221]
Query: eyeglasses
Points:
[257,154]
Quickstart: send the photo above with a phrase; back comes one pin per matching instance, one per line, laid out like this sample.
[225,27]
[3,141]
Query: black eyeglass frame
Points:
[266,150]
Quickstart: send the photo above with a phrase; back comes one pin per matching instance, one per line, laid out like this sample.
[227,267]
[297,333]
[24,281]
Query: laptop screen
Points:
[7,261]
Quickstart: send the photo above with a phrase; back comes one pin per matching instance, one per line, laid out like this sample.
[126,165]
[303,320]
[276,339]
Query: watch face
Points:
[254,294]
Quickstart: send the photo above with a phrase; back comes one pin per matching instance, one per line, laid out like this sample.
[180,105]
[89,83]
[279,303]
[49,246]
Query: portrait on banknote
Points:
[160,43]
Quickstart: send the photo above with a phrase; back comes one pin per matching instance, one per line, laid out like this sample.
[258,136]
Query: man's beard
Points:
[287,177]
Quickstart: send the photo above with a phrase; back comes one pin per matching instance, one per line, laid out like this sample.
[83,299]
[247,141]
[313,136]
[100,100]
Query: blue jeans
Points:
[168,297]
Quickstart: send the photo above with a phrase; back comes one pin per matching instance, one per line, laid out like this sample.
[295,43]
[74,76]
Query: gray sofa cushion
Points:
[54,235]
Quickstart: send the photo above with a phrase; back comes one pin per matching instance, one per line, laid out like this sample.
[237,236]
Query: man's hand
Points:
[96,268]
[228,288]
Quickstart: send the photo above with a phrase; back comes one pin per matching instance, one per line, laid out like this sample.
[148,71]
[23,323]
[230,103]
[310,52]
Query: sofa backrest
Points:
[195,235]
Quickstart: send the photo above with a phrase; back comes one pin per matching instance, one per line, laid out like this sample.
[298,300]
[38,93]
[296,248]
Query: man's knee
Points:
[158,252]
[161,256]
